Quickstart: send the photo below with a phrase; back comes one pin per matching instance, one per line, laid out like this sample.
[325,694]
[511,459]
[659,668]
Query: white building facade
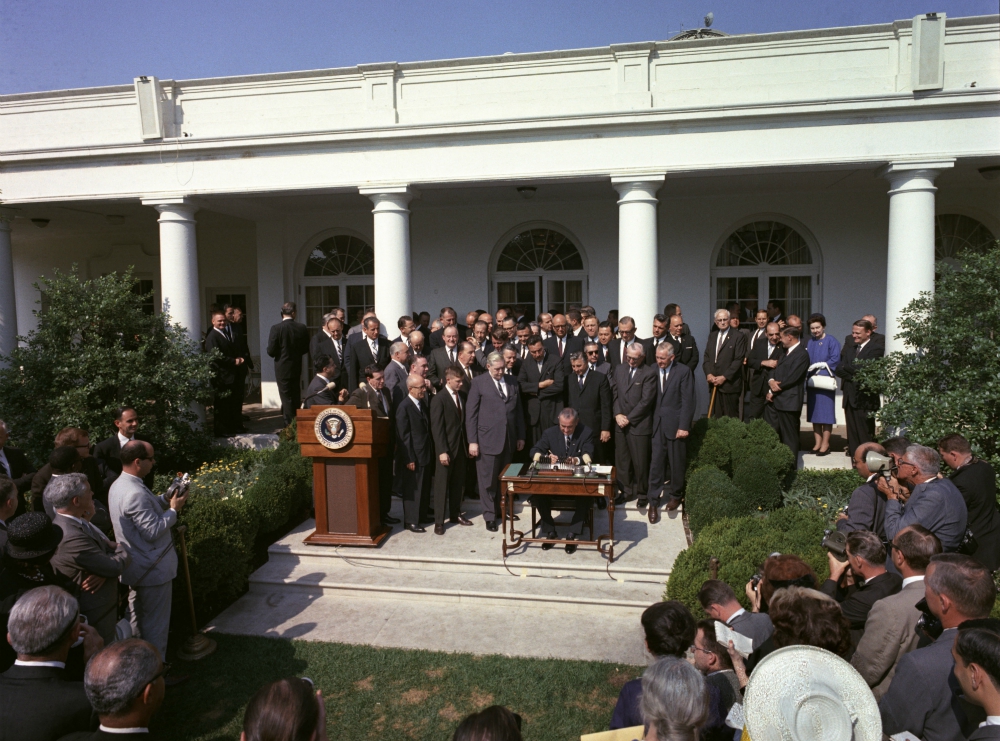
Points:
[824,169]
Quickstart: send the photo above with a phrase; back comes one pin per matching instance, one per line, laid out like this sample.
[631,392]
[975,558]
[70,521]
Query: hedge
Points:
[238,504]
[825,492]
[741,545]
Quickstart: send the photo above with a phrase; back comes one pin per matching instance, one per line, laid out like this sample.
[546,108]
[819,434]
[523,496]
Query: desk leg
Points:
[503,516]
[611,527]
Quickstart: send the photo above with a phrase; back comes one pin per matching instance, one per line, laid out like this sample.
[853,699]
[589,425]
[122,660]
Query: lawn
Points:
[382,693]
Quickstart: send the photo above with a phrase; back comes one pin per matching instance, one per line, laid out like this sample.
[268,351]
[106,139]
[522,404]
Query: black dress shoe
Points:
[653,515]
[641,503]
[549,546]
[492,526]
[439,529]
[571,547]
[414,528]
[460,521]
[619,500]
[673,503]
[387,520]
[602,503]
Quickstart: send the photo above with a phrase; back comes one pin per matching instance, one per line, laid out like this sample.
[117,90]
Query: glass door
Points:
[742,290]
[518,293]
[562,295]
[794,292]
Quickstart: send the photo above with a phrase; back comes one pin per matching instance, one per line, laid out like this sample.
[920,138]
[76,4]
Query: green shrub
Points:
[711,495]
[825,492]
[741,545]
[758,484]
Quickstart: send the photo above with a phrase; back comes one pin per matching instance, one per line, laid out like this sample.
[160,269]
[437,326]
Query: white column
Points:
[910,267]
[638,263]
[393,291]
[8,306]
[179,264]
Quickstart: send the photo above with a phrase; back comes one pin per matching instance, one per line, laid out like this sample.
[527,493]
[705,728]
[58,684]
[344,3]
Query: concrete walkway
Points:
[455,593]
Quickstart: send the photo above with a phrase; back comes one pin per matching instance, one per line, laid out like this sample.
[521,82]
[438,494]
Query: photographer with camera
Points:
[935,503]
[142,523]
[864,560]
[866,507]
[891,627]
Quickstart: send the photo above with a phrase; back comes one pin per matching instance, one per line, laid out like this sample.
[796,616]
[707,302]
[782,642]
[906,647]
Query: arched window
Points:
[765,261]
[540,267]
[954,233]
[338,273]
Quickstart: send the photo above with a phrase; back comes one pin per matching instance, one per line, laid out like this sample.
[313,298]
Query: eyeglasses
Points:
[903,462]
[703,650]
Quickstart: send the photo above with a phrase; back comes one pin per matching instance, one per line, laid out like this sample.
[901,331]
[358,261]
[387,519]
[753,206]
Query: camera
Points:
[178,486]
[836,543]
[880,465]
[927,623]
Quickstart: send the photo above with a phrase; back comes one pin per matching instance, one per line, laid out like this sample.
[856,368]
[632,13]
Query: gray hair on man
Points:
[40,618]
[927,460]
[576,356]
[493,358]
[117,675]
[720,313]
[61,490]
[569,413]
[665,348]
[674,700]
[628,321]
[370,321]
[398,347]
[636,349]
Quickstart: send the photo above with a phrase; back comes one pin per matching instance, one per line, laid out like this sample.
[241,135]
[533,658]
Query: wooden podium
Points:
[345,480]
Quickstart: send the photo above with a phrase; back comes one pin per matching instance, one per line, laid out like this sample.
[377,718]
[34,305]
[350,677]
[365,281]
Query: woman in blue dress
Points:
[821,408]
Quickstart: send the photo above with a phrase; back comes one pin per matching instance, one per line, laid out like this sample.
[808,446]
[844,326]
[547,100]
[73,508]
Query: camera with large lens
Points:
[836,543]
[927,623]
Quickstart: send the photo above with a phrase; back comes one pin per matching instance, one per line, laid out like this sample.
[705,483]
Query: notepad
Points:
[724,634]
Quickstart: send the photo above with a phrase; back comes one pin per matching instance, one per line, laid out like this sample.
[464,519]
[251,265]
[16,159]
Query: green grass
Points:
[381,693]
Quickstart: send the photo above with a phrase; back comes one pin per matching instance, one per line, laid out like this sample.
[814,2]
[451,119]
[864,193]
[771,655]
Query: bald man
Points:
[414,454]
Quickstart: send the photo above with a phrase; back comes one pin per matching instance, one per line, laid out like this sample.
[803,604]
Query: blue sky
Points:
[55,44]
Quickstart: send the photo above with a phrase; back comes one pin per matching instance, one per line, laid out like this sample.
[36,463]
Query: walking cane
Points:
[198,645]
[712,402]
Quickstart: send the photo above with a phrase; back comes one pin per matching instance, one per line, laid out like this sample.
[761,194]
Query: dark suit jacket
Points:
[489,421]
[759,375]
[729,361]
[651,349]
[760,338]
[674,408]
[448,425]
[223,368]
[553,441]
[414,443]
[360,357]
[856,602]
[593,403]
[685,350]
[365,397]
[542,406]
[791,374]
[21,470]
[978,485]
[108,452]
[317,395]
[636,399]
[615,352]
[100,735]
[37,704]
[322,344]
[573,344]
[937,505]
[438,363]
[287,343]
[924,697]
[865,510]
[848,367]
[242,346]
[986,733]
[436,339]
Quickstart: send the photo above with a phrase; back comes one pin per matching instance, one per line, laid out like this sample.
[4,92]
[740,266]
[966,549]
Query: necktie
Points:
[374,345]
[593,367]
[458,402]
[385,404]
[336,348]
[718,344]
[581,382]
[562,341]
[631,374]
[663,380]
[468,373]
[567,444]
[451,354]
[770,349]
[502,390]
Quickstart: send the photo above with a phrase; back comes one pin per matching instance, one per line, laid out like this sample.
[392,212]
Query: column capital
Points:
[905,170]
[637,188]
[6,216]
[173,209]
[390,197]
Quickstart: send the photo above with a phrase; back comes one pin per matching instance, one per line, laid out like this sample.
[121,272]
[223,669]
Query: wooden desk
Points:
[592,485]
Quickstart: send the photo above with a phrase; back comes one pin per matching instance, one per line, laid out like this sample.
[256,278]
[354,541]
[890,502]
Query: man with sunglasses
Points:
[936,503]
[142,523]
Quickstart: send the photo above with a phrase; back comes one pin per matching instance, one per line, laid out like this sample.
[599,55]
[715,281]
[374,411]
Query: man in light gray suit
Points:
[891,627]
[85,555]
[398,368]
[935,503]
[494,424]
[719,602]
[142,523]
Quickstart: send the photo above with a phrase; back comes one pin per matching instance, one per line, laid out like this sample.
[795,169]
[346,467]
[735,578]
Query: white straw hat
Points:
[804,693]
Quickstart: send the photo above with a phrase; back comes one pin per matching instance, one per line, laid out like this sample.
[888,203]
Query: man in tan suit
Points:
[890,631]
[85,555]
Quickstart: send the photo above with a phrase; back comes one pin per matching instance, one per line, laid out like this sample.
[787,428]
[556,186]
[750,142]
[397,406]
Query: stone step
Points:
[337,576]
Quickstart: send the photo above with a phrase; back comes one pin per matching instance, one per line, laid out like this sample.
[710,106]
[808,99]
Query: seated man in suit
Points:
[85,555]
[414,454]
[36,702]
[124,683]
[372,395]
[761,362]
[788,390]
[866,560]
[323,389]
[719,602]
[572,442]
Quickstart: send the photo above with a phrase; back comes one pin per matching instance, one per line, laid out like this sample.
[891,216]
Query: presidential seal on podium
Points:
[334,428]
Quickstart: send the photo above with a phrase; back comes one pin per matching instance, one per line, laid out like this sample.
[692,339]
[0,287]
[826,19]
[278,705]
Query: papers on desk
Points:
[603,470]
[724,634]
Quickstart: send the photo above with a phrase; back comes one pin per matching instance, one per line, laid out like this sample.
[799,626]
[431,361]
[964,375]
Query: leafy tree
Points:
[950,380]
[95,349]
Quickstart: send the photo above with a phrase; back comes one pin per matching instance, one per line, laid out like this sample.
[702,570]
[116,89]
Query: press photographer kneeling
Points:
[858,578]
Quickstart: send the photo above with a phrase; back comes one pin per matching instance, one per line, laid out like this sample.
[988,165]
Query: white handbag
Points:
[827,383]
